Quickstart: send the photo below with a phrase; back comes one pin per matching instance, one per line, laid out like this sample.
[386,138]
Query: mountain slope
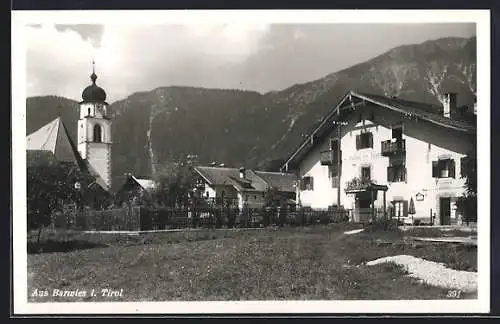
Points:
[248,128]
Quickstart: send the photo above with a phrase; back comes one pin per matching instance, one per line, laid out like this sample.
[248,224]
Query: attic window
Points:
[364,140]
[307,183]
[444,168]
[397,132]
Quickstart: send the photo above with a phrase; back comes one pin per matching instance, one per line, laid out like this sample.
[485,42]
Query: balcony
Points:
[391,148]
[329,157]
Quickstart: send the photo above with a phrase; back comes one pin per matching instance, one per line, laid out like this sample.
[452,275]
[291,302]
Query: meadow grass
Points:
[309,263]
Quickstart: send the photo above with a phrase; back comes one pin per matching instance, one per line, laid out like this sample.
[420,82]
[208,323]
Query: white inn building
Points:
[373,153]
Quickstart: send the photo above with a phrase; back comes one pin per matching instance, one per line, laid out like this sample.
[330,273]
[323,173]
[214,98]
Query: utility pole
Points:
[339,156]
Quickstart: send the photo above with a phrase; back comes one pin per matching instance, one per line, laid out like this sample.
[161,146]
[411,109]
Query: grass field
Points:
[312,263]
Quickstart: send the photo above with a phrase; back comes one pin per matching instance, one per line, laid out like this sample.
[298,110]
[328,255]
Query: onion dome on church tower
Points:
[93,93]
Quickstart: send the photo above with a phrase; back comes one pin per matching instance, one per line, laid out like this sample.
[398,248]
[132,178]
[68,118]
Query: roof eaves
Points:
[428,118]
[321,124]
[203,176]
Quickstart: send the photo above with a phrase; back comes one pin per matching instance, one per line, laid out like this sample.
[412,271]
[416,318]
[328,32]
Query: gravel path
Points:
[433,273]
[354,231]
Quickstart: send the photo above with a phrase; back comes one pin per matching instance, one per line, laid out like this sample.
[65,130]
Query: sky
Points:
[257,56]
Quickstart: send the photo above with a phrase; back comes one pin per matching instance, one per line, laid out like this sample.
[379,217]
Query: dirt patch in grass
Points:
[314,263]
[373,245]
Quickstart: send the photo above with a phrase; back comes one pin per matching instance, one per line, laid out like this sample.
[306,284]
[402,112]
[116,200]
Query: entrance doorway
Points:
[363,209]
[445,210]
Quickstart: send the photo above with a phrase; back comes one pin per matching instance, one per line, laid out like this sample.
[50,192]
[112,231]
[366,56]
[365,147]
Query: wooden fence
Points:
[142,218]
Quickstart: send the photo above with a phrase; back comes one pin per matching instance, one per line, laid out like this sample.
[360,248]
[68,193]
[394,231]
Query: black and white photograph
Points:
[251,161]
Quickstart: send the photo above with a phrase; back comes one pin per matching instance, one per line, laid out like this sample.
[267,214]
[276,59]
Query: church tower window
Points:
[97,134]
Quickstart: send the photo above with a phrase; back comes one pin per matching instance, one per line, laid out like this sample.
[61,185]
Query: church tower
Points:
[94,130]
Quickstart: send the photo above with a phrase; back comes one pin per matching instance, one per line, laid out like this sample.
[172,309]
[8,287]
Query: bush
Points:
[467,206]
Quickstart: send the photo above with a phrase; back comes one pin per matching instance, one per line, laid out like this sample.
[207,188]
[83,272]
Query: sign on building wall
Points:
[419,197]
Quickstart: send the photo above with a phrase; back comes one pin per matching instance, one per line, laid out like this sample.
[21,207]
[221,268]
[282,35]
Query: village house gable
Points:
[409,147]
[243,188]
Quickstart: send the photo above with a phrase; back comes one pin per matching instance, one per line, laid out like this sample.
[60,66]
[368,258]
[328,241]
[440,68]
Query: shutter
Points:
[462,167]
[451,170]
[358,142]
[405,208]
[404,174]
[311,183]
[370,140]
[390,174]
[435,169]
[301,184]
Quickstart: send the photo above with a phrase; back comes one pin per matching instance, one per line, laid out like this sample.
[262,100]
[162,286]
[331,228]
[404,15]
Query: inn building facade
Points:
[372,154]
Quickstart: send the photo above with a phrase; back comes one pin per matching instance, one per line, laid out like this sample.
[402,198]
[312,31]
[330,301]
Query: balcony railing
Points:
[390,148]
[330,157]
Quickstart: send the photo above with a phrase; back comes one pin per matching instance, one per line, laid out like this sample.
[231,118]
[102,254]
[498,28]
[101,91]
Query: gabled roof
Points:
[146,184]
[285,182]
[424,111]
[126,181]
[254,181]
[52,142]
[54,138]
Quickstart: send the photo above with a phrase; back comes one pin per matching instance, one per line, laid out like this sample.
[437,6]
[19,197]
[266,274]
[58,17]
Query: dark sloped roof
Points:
[432,113]
[282,181]
[218,176]
[257,181]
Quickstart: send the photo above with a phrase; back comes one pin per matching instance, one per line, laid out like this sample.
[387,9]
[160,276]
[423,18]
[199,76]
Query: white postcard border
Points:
[22,18]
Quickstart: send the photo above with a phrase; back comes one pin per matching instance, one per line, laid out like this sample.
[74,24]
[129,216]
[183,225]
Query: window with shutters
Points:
[400,208]
[364,140]
[396,173]
[444,168]
[307,183]
[365,173]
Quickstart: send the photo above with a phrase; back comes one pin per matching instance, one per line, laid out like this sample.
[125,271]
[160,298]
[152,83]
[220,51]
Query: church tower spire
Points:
[94,130]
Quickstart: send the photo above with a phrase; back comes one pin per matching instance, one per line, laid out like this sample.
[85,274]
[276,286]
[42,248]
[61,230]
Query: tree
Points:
[175,182]
[272,200]
[467,204]
[50,185]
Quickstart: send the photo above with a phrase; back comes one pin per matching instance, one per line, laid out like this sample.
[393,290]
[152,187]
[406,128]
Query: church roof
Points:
[52,142]
[54,138]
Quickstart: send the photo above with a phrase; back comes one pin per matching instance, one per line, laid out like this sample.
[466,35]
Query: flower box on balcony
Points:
[390,147]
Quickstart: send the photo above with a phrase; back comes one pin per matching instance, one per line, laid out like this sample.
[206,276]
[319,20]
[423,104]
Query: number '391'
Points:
[453,294]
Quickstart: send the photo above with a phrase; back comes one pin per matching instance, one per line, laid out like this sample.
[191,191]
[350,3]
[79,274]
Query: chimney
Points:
[449,104]
[242,173]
